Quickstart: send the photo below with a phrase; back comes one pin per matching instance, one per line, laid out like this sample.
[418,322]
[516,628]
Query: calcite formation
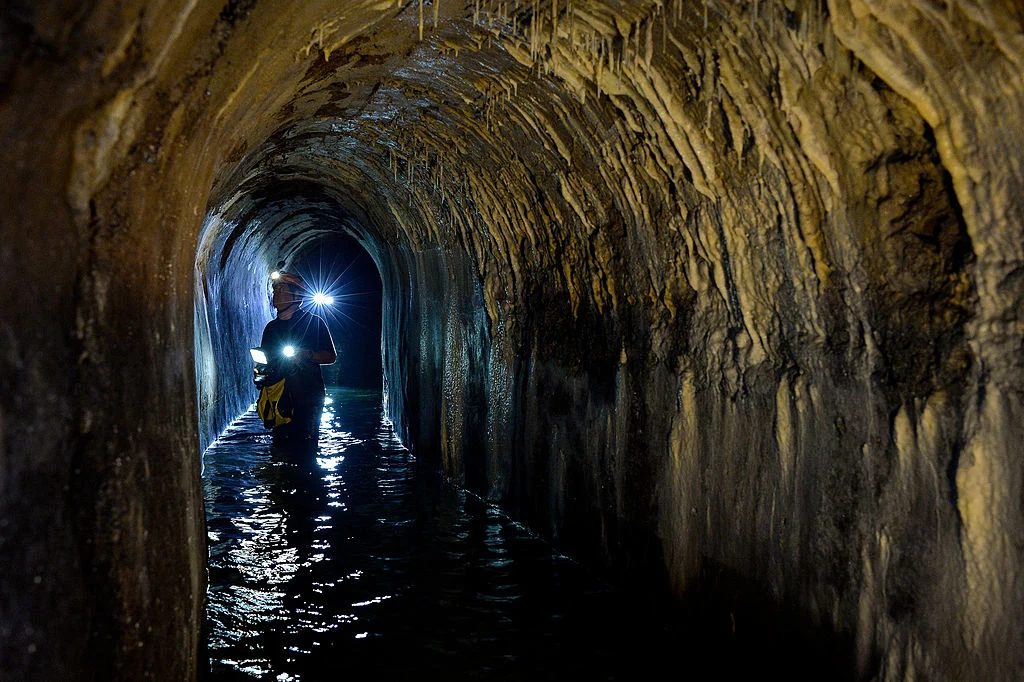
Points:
[723,292]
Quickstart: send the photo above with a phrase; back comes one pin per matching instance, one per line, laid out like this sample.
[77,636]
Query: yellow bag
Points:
[274,405]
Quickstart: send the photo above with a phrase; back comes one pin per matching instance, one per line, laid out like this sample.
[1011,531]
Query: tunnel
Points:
[722,297]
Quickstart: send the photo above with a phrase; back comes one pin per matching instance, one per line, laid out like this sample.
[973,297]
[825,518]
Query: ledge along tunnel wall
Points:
[695,289]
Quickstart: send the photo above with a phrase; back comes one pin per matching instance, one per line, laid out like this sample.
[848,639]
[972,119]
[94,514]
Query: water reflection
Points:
[343,560]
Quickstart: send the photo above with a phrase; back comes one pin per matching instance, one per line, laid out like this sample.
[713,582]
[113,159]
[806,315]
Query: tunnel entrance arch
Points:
[245,235]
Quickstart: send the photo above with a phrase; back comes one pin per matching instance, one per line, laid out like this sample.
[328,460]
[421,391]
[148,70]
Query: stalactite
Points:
[533,32]
[554,21]
[570,10]
[664,31]
[625,43]
[829,42]
[649,56]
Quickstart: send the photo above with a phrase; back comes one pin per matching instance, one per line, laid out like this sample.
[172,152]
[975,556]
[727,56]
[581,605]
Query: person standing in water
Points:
[298,342]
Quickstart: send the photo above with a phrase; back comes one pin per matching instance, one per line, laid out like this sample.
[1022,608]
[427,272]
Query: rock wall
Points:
[724,293]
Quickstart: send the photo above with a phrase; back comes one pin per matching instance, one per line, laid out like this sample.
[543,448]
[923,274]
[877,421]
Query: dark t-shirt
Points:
[303,331]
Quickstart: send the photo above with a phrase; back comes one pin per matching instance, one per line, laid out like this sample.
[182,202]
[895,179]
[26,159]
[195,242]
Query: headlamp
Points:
[289,351]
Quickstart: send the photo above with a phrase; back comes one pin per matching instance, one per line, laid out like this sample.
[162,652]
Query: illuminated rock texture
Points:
[709,289]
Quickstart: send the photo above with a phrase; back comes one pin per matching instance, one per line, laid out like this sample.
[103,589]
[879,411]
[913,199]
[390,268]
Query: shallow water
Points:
[348,563]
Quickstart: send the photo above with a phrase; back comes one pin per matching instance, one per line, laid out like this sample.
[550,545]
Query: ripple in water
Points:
[348,563]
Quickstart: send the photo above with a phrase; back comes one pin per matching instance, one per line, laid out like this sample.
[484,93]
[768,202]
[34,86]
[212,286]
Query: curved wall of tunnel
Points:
[242,241]
[724,293]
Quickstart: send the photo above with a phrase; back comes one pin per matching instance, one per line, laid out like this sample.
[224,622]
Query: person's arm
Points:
[320,357]
[263,342]
[325,354]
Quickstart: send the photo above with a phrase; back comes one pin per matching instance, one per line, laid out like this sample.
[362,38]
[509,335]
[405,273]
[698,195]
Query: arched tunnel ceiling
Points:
[596,143]
[740,277]
[529,147]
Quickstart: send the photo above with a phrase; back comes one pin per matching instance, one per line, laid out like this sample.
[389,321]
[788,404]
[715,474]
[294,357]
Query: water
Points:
[349,563]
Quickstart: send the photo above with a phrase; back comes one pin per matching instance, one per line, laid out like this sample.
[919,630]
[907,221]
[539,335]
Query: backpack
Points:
[275,405]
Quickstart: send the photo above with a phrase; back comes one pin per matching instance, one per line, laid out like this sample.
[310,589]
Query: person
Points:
[297,342]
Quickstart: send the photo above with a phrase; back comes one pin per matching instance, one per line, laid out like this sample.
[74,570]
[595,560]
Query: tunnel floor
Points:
[351,563]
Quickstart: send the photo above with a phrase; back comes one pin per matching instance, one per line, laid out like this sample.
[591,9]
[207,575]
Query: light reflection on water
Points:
[348,563]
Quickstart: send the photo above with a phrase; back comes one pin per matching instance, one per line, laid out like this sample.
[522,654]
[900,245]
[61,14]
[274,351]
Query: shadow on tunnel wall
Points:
[726,625]
[743,633]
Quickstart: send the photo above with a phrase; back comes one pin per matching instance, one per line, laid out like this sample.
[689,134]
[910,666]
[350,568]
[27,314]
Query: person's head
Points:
[288,291]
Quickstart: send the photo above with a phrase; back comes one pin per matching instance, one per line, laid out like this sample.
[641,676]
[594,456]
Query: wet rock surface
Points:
[679,285]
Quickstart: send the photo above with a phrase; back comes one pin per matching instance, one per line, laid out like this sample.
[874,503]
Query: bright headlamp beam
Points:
[289,351]
[275,275]
[322,299]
